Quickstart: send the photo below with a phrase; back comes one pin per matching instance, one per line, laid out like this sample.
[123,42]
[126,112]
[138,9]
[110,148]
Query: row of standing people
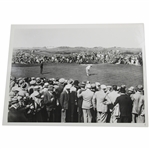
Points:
[71,101]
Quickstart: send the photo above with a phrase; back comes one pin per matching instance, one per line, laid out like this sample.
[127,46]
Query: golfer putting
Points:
[88,69]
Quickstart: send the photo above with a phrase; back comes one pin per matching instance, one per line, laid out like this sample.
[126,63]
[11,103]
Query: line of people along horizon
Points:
[111,57]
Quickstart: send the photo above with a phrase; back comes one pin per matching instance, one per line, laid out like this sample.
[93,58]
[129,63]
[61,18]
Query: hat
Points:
[76,82]
[68,86]
[88,86]
[50,82]
[38,81]
[62,80]
[109,87]
[32,78]
[123,86]
[66,81]
[33,82]
[56,87]
[21,82]
[97,84]
[53,79]
[103,86]
[24,85]
[46,84]
[118,88]
[87,82]
[123,89]
[37,78]
[139,88]
[55,82]
[70,81]
[131,89]
[50,87]
[36,87]
[19,79]
[93,86]
[82,85]
[12,78]
[115,88]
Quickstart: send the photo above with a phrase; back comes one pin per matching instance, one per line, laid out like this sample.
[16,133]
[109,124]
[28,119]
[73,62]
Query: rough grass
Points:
[107,74]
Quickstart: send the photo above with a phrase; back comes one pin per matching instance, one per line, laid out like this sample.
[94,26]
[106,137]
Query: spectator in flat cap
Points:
[31,87]
[45,88]
[136,98]
[33,78]
[125,105]
[97,86]
[61,85]
[70,81]
[39,83]
[130,91]
[87,96]
[24,86]
[62,80]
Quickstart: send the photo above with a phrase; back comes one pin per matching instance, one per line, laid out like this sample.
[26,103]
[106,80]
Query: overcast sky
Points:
[129,36]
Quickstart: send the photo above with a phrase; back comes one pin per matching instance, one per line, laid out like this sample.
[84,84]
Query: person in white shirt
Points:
[88,69]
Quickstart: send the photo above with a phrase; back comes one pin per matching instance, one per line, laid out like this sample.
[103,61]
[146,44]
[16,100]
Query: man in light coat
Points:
[99,102]
[87,105]
[112,97]
[138,102]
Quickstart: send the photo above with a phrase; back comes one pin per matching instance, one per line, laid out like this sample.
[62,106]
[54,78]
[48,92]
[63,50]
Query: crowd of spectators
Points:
[111,57]
[60,100]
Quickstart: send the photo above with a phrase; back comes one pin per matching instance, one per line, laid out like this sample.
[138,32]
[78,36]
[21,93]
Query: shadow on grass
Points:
[92,74]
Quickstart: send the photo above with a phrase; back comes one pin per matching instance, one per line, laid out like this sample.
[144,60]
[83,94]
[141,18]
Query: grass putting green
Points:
[107,74]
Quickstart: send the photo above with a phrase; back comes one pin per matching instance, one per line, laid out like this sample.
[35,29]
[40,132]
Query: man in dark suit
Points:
[79,103]
[49,102]
[125,104]
[41,67]
[64,101]
[73,102]
[58,91]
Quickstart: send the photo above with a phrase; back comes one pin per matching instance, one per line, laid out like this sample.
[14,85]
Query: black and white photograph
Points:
[76,75]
